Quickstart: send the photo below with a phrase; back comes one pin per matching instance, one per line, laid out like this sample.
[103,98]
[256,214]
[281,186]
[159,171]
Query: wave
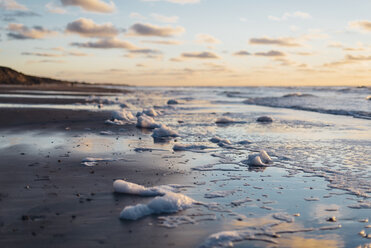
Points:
[278,102]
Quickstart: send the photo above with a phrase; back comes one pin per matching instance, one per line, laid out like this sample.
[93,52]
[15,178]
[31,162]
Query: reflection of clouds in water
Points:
[323,211]
[330,241]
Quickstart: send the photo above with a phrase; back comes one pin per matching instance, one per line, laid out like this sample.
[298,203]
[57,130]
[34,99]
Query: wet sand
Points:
[48,199]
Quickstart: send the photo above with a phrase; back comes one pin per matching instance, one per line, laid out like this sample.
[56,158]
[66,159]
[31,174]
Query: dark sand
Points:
[48,199]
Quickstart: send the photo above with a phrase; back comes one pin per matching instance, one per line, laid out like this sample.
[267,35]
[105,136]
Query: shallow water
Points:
[321,162]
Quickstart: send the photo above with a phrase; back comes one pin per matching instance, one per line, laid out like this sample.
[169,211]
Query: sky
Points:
[190,42]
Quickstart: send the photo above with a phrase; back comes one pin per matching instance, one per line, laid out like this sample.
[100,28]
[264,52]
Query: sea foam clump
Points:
[188,147]
[123,115]
[165,202]
[145,121]
[164,131]
[261,159]
[150,112]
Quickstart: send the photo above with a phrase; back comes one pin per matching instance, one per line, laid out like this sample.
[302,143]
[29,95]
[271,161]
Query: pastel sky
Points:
[190,42]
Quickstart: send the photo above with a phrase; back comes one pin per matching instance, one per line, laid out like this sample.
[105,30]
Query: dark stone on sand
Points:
[172,101]
[264,119]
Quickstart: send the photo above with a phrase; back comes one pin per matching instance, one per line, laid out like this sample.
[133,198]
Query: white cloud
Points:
[53,8]
[135,15]
[140,29]
[87,28]
[287,15]
[91,5]
[166,19]
[21,32]
[207,39]
[11,5]
[362,25]
[174,1]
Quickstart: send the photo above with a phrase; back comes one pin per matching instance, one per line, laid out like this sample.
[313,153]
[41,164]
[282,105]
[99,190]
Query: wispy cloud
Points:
[362,25]
[107,43]
[271,53]
[284,41]
[287,15]
[242,53]
[21,32]
[174,1]
[87,28]
[98,6]
[55,9]
[163,42]
[200,55]
[12,5]
[165,19]
[140,29]
[207,39]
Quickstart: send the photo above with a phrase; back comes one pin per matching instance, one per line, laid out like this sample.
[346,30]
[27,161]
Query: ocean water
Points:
[319,141]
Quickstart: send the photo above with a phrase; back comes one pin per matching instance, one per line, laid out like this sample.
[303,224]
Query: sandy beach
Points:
[50,197]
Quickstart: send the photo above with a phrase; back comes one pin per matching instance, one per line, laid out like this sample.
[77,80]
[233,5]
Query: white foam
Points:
[242,201]
[283,217]
[218,194]
[94,161]
[311,199]
[145,121]
[217,139]
[150,112]
[361,205]
[174,221]
[224,120]
[188,147]
[123,115]
[115,122]
[106,133]
[121,186]
[261,159]
[164,131]
[165,202]
[169,203]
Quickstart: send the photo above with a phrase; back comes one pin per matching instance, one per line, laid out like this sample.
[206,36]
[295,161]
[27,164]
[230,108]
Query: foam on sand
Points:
[123,115]
[164,131]
[94,161]
[261,159]
[145,121]
[150,112]
[361,205]
[121,186]
[283,217]
[165,202]
[219,140]
[218,194]
[189,147]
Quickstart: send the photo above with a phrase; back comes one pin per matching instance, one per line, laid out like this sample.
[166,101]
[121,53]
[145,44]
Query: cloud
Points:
[42,54]
[284,41]
[87,28]
[207,39]
[163,42]
[10,17]
[358,58]
[106,43]
[166,19]
[287,15]
[359,47]
[12,5]
[135,15]
[98,6]
[242,53]
[145,51]
[175,1]
[271,53]
[53,8]
[200,55]
[363,25]
[21,32]
[140,29]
